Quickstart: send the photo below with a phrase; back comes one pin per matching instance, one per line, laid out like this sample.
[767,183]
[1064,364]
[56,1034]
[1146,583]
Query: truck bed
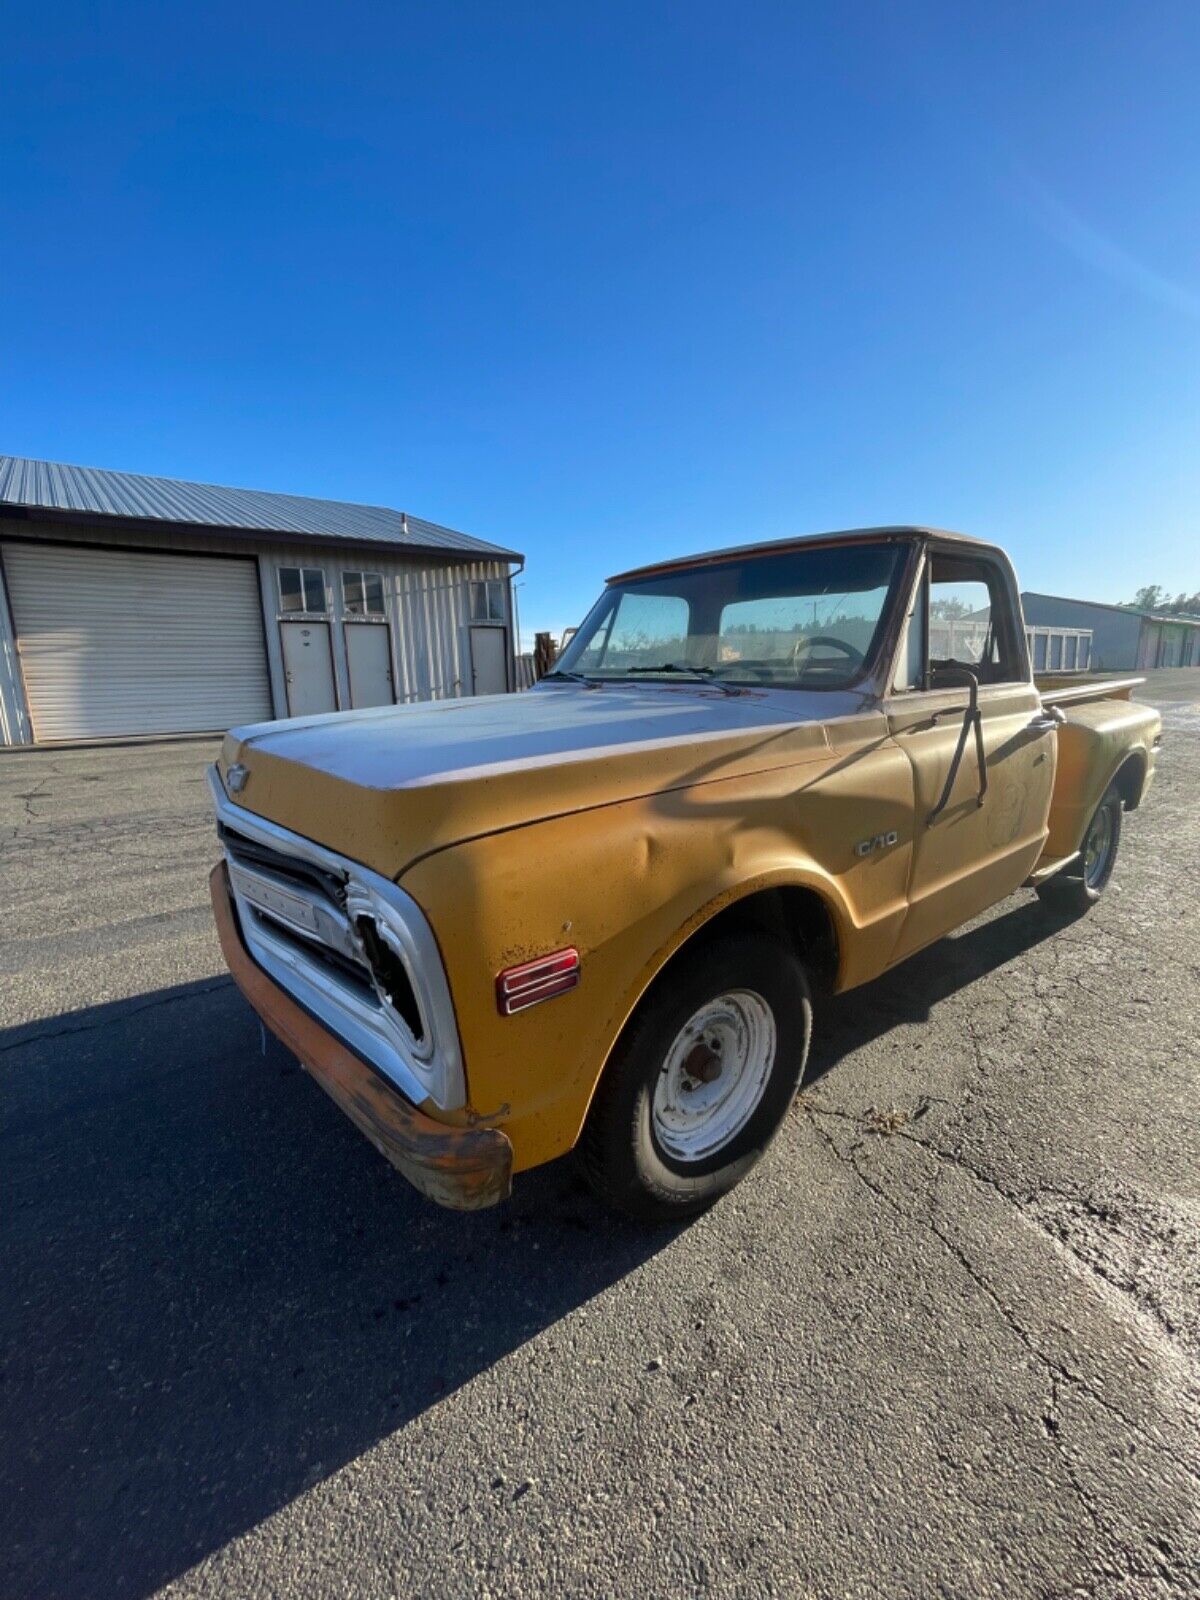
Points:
[1072,689]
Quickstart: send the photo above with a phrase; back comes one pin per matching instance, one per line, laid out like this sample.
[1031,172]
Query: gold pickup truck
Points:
[595,916]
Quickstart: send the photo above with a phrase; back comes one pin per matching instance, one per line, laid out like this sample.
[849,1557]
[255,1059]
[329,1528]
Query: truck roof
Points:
[772,547]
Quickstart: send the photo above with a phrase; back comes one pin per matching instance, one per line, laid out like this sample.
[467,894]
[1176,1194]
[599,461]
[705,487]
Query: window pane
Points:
[960,617]
[800,634]
[648,630]
[495,600]
[799,619]
[291,597]
[372,584]
[352,599]
[314,589]
[478,602]
[1070,644]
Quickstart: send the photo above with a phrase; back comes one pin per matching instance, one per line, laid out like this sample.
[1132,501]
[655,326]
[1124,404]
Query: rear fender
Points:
[1101,742]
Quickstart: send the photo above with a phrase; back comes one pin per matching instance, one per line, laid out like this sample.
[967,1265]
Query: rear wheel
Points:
[701,1078]
[1078,887]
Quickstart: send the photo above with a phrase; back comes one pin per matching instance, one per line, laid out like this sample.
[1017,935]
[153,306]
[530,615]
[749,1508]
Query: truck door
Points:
[978,841]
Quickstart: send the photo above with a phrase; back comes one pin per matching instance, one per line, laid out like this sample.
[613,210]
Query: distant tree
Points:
[1153,597]
[949,610]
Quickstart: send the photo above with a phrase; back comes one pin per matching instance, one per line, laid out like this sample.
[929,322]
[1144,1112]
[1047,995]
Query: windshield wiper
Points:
[571,677]
[705,674]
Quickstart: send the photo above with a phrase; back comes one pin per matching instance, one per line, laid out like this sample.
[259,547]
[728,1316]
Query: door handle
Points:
[1047,718]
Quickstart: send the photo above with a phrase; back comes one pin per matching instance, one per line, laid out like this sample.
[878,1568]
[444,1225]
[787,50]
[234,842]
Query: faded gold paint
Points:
[1097,741]
[626,855]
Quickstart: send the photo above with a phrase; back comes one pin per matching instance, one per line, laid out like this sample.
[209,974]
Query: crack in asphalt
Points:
[1057,1372]
[40,1034]
[1022,1204]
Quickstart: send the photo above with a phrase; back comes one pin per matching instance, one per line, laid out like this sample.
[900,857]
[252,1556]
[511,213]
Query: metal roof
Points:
[91,492]
[1186,619]
[800,541]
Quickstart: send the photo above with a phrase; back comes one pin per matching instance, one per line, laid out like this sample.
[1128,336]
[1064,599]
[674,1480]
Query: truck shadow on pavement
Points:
[911,990]
[217,1294]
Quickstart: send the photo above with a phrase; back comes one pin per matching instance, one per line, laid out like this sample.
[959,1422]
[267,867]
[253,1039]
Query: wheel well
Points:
[1129,781]
[796,914]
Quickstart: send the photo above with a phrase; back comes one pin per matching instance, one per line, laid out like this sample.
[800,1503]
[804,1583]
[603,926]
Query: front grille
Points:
[351,946]
[251,851]
[305,907]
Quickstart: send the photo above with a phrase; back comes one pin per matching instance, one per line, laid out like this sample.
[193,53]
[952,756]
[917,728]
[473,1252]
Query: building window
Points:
[302,591]
[362,594]
[487,601]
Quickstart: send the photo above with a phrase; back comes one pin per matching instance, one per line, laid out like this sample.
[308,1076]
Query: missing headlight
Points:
[391,976]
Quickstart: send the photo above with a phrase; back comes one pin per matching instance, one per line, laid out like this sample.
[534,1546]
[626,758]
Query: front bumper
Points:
[463,1168]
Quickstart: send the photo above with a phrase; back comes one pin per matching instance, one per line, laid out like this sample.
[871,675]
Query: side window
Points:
[362,594]
[302,590]
[970,620]
[487,600]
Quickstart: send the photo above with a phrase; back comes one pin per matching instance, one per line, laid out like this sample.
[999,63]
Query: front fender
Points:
[627,884]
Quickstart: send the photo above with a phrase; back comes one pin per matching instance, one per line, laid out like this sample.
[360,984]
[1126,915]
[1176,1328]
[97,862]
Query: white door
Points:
[308,668]
[489,660]
[369,657]
[116,642]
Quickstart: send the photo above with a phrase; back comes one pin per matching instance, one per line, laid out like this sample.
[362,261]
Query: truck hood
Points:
[387,786]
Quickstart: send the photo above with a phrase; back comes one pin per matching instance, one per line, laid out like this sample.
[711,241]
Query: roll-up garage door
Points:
[117,642]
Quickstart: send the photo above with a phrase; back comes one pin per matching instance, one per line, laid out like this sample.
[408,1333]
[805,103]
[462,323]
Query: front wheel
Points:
[1077,888]
[701,1078]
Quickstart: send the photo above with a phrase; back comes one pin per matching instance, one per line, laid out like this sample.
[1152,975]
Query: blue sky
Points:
[618,281]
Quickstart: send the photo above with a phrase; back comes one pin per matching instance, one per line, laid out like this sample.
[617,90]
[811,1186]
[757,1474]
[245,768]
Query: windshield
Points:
[805,618]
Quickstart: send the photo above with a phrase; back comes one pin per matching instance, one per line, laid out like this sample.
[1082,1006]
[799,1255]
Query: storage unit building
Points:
[139,606]
[1122,639]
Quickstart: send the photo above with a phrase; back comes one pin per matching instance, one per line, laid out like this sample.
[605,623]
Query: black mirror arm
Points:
[972,717]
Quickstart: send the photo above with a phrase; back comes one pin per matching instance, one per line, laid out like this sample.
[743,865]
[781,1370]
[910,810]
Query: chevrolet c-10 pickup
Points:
[594,916]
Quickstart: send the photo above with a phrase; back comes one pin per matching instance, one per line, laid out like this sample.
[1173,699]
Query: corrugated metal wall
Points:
[428,604]
[1114,633]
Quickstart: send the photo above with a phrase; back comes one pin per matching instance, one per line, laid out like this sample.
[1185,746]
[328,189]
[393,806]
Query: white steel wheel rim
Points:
[714,1075]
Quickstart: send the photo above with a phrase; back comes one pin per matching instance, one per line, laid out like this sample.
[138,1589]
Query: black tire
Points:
[619,1151]
[1077,888]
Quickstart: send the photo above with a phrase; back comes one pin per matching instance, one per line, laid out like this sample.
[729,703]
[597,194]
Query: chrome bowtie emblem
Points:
[235,778]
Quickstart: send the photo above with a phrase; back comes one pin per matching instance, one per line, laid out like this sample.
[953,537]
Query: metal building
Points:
[1122,638]
[136,605]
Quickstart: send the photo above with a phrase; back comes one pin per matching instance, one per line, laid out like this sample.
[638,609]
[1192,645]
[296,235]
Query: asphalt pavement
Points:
[944,1342]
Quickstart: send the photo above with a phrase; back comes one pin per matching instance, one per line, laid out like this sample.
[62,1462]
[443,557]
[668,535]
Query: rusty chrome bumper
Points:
[463,1168]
